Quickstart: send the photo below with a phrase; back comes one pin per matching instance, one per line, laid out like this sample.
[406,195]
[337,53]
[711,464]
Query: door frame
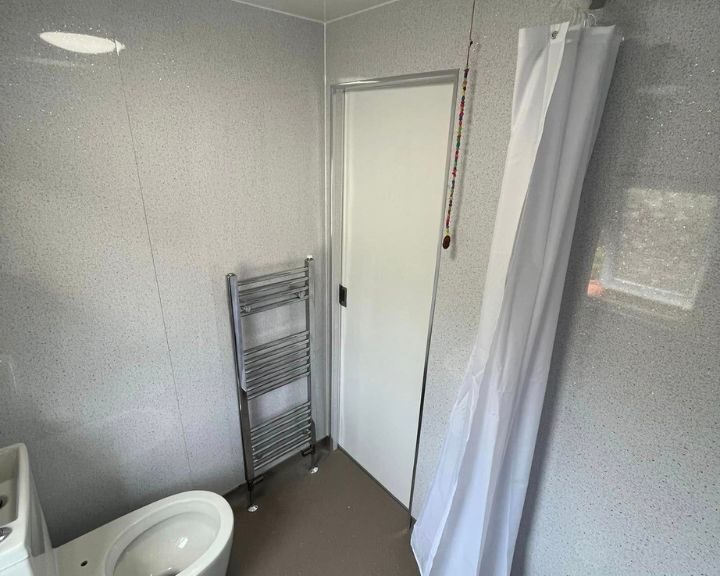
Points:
[334,233]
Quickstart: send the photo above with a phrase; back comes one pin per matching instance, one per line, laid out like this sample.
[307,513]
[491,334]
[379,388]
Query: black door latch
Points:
[342,296]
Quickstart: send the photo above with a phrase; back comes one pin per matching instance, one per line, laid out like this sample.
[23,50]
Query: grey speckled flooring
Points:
[336,522]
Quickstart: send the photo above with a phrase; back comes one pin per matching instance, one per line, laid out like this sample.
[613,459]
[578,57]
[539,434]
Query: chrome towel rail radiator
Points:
[272,365]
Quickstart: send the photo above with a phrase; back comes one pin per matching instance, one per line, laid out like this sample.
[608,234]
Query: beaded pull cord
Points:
[458,140]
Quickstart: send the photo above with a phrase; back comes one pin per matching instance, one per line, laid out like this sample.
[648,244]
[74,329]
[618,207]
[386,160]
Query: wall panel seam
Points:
[154,265]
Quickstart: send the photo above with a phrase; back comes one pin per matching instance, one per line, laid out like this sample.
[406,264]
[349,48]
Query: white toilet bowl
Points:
[188,534]
[184,535]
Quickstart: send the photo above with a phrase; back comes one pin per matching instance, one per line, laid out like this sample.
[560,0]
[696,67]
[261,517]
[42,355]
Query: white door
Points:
[395,161]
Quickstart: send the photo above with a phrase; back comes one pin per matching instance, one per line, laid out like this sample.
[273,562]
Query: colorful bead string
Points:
[458,140]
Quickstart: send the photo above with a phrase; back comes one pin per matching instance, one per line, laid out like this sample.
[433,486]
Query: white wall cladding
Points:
[625,477]
[131,185]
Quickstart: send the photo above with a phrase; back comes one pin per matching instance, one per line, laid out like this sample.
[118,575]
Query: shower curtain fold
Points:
[470,519]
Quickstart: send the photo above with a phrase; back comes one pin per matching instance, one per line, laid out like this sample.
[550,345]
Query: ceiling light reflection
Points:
[82,43]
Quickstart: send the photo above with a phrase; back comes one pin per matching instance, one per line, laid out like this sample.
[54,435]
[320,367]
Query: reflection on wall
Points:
[653,254]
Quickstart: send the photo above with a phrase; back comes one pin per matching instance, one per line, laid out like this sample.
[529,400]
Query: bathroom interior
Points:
[213,214]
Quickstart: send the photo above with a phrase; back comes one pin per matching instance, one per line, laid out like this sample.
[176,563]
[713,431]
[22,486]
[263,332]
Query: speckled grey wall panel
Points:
[115,358]
[628,459]
[225,104]
[627,472]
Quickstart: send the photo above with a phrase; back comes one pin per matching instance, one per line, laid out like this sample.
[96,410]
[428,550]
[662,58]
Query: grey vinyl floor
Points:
[336,522]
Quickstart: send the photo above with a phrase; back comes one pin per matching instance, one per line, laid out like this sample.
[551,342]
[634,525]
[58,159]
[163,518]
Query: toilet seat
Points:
[188,534]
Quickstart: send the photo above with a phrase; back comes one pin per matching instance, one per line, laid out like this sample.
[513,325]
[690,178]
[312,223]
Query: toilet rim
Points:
[150,515]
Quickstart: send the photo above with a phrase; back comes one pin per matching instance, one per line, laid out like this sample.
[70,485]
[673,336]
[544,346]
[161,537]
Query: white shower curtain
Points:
[470,520]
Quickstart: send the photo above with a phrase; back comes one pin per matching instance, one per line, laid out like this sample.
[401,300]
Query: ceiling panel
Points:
[320,10]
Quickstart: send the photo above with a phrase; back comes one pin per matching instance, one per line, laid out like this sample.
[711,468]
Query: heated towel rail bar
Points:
[272,365]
